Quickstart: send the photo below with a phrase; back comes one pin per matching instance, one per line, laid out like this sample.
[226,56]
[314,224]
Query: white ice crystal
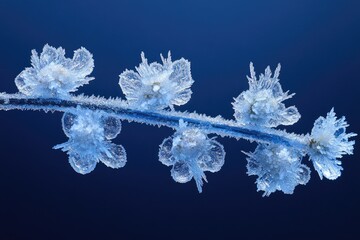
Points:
[277,168]
[54,76]
[190,153]
[329,142]
[156,86]
[89,133]
[262,105]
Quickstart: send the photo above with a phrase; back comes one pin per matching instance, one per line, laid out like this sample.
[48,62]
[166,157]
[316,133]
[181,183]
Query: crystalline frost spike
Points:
[151,93]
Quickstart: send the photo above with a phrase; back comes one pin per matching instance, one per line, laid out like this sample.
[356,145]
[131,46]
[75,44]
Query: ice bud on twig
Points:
[277,168]
[157,86]
[190,153]
[89,133]
[262,105]
[54,76]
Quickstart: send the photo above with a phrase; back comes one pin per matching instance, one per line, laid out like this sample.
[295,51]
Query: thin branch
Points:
[119,108]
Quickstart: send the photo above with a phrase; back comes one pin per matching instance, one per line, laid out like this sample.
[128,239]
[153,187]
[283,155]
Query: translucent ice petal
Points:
[68,121]
[23,79]
[51,54]
[182,97]
[181,172]
[165,154]
[112,126]
[304,174]
[82,62]
[82,164]
[212,160]
[290,116]
[114,156]
[181,73]
[130,82]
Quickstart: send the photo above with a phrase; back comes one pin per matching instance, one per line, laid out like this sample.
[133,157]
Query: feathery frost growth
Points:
[151,93]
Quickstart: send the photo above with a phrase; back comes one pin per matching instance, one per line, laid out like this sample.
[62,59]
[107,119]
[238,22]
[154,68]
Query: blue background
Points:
[317,43]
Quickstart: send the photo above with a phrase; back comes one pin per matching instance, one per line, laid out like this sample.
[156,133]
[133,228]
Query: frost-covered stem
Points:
[120,109]
[151,91]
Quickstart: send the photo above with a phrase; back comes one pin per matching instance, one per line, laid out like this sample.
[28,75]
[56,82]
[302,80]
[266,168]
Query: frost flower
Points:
[190,153]
[277,168]
[262,105]
[329,142]
[157,86]
[89,133]
[54,76]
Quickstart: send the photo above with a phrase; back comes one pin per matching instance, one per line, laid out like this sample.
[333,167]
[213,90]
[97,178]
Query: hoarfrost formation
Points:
[151,93]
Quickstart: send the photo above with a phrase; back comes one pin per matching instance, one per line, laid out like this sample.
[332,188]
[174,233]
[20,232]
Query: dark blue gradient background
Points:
[317,43]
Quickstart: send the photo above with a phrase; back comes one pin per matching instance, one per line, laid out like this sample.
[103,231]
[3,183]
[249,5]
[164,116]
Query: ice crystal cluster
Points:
[277,168]
[190,152]
[89,133]
[152,91]
[157,86]
[262,105]
[53,75]
[329,142]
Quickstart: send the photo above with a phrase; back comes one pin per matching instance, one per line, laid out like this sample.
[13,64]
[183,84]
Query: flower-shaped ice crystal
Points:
[53,75]
[262,105]
[89,133]
[190,153]
[277,168]
[157,86]
[329,142]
